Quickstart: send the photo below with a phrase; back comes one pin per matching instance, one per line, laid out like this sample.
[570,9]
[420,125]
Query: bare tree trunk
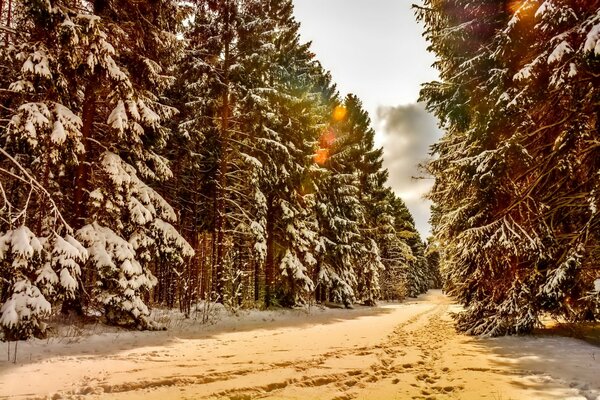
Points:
[223,167]
[212,287]
[256,266]
[83,171]
[1,10]
[270,261]
[82,177]
[203,263]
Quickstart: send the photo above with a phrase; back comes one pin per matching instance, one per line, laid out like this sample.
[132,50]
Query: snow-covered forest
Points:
[191,208]
[517,173]
[164,153]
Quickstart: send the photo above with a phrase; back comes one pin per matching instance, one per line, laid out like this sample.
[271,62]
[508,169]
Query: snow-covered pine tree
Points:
[339,210]
[413,270]
[97,126]
[226,59]
[516,172]
[286,131]
[268,146]
[432,255]
[396,255]
[417,272]
[375,223]
[39,140]
[122,202]
[193,151]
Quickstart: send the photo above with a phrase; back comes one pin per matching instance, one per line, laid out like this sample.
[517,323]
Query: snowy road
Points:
[399,351]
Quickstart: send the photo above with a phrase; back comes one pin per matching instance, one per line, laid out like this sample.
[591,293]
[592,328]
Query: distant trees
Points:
[516,217]
[166,153]
[405,271]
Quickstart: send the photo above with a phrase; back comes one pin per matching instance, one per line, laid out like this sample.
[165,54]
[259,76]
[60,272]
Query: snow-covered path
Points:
[397,351]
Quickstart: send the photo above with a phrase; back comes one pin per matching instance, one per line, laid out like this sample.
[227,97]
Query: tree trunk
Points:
[270,261]
[223,168]
[83,171]
[212,284]
[82,176]
[256,279]
[8,22]
[204,265]
[1,10]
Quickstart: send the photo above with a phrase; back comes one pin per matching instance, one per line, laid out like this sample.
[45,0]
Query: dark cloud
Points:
[408,132]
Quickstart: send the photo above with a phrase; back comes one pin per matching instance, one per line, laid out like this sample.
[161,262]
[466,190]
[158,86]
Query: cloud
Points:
[407,132]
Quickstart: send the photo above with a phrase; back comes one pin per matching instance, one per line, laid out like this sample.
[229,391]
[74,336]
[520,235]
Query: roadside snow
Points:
[564,367]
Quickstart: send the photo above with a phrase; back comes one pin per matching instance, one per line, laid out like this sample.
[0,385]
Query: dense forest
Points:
[517,172]
[163,153]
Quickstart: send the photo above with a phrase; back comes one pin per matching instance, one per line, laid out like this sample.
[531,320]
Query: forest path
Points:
[396,351]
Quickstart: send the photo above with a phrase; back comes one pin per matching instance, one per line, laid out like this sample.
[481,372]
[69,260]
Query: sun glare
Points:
[339,113]
[520,6]
[326,140]
[514,5]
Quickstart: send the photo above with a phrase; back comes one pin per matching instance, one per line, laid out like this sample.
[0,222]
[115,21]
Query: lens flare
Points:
[321,156]
[339,113]
[326,140]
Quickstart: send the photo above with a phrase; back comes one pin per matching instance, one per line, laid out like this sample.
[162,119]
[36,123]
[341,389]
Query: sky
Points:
[375,50]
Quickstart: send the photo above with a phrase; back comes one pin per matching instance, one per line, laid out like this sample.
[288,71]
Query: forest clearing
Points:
[396,351]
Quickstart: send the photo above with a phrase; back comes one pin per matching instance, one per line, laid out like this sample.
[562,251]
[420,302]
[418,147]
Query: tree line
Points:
[165,153]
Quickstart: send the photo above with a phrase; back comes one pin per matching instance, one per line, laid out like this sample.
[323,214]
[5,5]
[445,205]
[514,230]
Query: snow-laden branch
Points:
[38,186]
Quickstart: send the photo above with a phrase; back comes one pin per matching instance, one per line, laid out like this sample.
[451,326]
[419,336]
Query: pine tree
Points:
[339,209]
[372,196]
[286,138]
[432,256]
[514,172]
[221,67]
[413,269]
[83,119]
[40,256]
[268,144]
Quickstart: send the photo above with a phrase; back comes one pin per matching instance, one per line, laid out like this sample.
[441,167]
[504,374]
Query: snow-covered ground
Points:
[396,351]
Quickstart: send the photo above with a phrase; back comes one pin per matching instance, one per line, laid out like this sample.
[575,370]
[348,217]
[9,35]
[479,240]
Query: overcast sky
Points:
[375,50]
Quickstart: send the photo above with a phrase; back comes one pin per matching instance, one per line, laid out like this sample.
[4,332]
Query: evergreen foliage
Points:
[516,173]
[160,152]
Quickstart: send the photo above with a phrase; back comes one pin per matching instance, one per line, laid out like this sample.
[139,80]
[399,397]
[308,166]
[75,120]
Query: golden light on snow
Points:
[339,113]
[517,5]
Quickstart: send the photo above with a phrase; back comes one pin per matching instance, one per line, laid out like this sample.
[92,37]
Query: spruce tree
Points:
[269,145]
[222,65]
[40,141]
[375,221]
[87,121]
[339,209]
[515,172]
[286,138]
